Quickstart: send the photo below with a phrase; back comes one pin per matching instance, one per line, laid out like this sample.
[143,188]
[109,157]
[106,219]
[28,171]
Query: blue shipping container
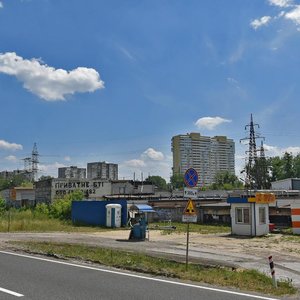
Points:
[92,212]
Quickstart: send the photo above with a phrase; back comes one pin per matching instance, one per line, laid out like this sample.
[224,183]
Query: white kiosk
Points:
[250,215]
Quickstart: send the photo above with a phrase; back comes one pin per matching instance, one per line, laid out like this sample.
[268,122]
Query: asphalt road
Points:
[29,277]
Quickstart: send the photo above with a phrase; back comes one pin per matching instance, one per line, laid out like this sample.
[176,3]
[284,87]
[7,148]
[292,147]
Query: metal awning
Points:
[142,208]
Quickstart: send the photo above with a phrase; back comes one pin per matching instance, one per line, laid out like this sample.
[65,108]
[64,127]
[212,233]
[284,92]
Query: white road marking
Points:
[10,292]
[141,277]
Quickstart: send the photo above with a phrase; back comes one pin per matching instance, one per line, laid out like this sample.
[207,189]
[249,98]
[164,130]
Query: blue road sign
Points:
[191,177]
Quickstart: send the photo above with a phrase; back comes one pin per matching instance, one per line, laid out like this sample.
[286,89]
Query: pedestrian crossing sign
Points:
[190,208]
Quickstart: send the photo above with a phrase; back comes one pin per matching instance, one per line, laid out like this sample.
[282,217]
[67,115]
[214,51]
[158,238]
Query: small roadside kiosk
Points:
[250,214]
[138,221]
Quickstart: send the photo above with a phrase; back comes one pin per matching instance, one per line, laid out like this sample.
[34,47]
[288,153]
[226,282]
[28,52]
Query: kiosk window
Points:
[242,215]
[262,215]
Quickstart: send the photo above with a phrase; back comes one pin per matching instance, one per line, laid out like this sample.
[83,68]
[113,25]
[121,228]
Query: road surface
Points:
[31,277]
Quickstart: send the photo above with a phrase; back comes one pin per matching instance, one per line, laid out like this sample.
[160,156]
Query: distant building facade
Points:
[102,170]
[72,172]
[48,190]
[19,196]
[24,174]
[56,188]
[286,184]
[207,155]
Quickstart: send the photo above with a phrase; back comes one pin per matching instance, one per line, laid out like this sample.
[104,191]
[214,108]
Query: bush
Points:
[61,208]
[2,205]
[42,208]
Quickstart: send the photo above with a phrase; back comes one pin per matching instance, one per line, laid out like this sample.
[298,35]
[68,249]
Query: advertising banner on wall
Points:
[91,188]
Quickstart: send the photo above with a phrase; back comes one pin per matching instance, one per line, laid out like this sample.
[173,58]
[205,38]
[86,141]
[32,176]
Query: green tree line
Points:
[287,166]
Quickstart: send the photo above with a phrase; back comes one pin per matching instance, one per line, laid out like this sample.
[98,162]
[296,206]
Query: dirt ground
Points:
[224,242]
[275,243]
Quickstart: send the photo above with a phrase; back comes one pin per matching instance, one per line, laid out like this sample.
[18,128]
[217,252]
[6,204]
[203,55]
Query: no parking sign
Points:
[191,177]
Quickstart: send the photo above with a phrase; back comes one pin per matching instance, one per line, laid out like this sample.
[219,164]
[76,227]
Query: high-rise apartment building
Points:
[102,170]
[72,172]
[207,155]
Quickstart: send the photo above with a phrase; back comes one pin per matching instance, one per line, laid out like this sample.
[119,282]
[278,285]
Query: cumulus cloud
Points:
[11,158]
[10,146]
[150,162]
[294,15]
[281,3]
[135,163]
[47,82]
[210,122]
[260,22]
[150,153]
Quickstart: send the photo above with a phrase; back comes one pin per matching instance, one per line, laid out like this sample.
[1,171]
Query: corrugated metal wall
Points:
[91,212]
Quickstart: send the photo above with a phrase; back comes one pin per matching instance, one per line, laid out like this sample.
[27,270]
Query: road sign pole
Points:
[187,246]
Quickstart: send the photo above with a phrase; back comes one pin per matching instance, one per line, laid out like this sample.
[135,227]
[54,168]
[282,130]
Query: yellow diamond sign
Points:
[190,209]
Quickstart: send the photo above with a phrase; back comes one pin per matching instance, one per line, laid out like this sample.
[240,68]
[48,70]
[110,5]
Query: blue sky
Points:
[115,80]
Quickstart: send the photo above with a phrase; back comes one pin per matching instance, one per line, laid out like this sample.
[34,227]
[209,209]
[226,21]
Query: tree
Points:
[284,167]
[61,208]
[177,181]
[225,180]
[296,166]
[17,180]
[288,165]
[43,177]
[276,165]
[157,181]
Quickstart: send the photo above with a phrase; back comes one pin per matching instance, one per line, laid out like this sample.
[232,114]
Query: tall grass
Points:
[197,228]
[14,220]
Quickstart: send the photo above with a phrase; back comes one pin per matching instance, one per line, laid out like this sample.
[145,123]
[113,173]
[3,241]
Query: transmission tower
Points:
[34,162]
[27,164]
[31,163]
[252,172]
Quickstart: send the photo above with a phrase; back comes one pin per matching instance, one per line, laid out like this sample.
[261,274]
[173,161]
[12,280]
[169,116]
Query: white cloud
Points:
[50,169]
[153,154]
[281,3]
[210,122]
[135,163]
[150,162]
[10,146]
[294,15]
[260,22]
[293,150]
[67,158]
[11,158]
[277,151]
[1,4]
[47,82]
